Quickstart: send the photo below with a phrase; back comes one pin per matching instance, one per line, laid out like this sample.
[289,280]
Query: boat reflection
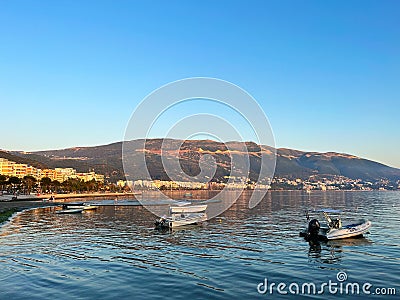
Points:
[356,241]
[333,251]
[181,229]
[322,253]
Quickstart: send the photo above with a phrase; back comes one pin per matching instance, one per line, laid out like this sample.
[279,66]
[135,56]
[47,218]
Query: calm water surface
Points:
[114,252]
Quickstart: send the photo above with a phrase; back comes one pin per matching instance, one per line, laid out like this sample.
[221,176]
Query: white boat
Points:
[69,211]
[188,209]
[84,206]
[182,215]
[333,228]
[73,205]
[90,207]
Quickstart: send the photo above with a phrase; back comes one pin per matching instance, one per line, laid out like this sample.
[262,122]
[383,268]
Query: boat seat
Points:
[335,223]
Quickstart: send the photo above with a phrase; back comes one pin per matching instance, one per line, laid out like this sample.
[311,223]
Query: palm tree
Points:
[14,181]
[29,182]
[45,183]
[3,181]
[56,185]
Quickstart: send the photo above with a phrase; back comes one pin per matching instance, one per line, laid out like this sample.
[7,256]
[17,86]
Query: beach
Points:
[9,207]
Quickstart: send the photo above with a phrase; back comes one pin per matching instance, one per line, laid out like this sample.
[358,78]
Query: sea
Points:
[114,252]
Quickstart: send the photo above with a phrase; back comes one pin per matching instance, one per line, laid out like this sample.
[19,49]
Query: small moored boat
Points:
[73,205]
[183,215]
[84,206]
[69,211]
[333,228]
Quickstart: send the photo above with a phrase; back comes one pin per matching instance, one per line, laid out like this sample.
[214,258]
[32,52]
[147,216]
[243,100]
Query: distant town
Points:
[277,183]
[13,169]
[25,178]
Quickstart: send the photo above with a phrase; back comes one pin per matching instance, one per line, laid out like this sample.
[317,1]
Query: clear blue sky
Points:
[326,73]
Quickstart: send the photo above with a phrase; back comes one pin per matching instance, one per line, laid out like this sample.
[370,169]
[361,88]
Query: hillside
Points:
[22,160]
[107,159]
[300,164]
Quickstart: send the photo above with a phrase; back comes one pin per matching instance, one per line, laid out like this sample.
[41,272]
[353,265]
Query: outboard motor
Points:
[161,223]
[313,227]
[313,230]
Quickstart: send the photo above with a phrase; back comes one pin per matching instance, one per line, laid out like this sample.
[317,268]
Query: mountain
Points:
[107,159]
[300,164]
[20,159]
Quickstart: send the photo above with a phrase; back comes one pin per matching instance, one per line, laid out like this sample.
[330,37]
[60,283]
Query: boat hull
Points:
[90,207]
[182,215]
[187,221]
[178,222]
[72,205]
[70,211]
[80,206]
[348,231]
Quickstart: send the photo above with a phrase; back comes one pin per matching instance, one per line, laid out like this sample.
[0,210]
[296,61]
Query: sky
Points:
[325,73]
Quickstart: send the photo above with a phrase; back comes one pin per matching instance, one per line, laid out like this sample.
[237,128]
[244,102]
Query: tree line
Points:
[29,184]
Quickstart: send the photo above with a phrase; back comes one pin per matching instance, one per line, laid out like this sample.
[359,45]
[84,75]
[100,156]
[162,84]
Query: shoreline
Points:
[7,214]
[44,197]
[9,208]
[88,195]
